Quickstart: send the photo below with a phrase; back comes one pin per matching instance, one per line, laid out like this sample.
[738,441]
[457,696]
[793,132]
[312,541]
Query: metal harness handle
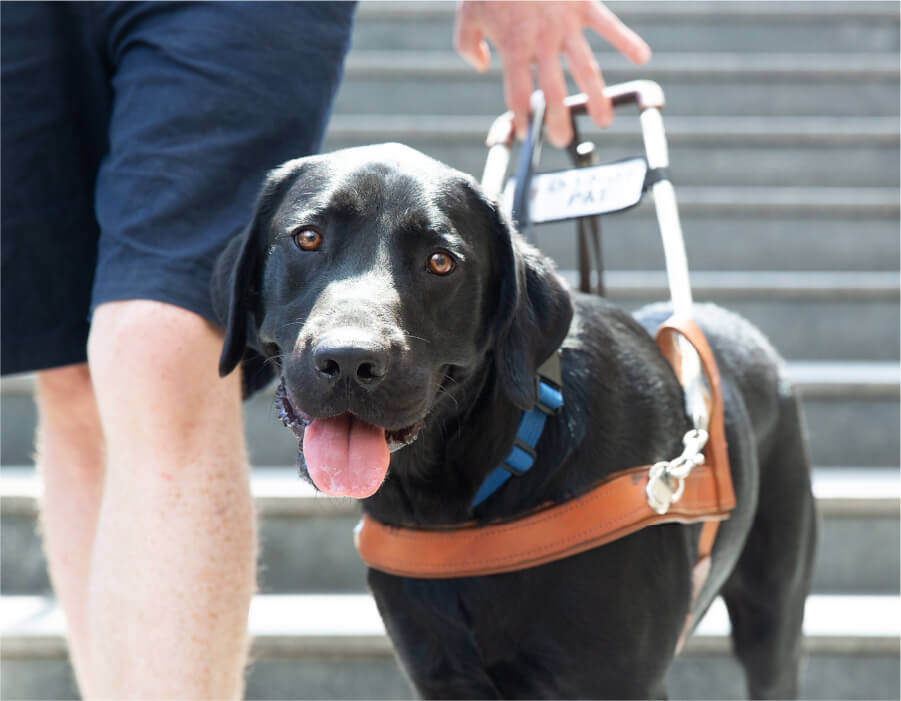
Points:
[648,96]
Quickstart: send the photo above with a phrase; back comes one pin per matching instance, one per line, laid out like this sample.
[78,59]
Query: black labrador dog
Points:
[406,320]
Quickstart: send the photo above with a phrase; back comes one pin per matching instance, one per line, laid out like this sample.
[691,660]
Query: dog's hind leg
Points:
[765,595]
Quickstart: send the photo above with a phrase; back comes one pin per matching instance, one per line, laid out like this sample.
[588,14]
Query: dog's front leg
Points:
[436,648]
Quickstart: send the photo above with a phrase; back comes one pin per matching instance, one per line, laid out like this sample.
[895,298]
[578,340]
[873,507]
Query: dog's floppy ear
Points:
[534,313]
[233,289]
[235,284]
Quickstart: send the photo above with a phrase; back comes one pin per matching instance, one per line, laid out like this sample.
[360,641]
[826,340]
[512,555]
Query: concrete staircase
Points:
[783,125]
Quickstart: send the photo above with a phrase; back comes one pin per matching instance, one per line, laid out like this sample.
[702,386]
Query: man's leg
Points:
[173,569]
[195,126]
[70,458]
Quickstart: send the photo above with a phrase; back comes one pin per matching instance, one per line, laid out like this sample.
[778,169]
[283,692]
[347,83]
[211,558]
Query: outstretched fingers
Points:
[600,19]
[541,34]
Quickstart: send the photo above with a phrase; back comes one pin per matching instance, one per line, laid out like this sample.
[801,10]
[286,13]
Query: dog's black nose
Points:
[358,357]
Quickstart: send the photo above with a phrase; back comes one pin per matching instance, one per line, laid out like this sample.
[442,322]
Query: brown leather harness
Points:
[619,505]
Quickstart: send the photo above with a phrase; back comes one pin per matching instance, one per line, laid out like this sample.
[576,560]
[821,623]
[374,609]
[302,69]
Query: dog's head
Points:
[379,281]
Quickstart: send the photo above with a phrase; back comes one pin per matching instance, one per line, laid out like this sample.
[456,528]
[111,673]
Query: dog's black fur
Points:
[460,353]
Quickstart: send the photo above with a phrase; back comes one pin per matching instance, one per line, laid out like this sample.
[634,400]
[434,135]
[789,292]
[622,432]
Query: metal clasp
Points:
[666,480]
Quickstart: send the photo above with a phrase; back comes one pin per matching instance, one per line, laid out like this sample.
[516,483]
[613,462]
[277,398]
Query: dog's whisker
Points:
[444,391]
[275,361]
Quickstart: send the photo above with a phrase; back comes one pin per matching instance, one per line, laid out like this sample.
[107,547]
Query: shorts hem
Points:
[195,305]
[53,349]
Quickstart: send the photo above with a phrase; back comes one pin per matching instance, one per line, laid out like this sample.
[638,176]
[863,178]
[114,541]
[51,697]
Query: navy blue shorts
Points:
[135,137]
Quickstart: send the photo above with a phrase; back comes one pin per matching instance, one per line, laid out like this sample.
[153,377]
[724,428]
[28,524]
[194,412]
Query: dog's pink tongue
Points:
[345,456]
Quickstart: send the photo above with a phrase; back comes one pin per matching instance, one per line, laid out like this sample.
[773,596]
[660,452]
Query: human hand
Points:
[538,33]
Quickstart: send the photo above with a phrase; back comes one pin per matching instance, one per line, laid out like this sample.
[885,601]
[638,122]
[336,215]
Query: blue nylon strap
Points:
[520,459]
[492,483]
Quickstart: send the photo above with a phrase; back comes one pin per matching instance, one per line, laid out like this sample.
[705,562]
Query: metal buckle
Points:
[550,370]
[662,489]
[549,373]
[666,480]
[528,450]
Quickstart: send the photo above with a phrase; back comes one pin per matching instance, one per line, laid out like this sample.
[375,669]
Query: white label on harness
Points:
[581,192]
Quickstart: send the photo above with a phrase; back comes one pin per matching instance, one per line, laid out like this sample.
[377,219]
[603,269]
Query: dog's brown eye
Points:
[441,263]
[307,239]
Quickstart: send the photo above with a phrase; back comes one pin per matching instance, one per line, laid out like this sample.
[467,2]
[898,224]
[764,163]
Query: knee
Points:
[154,368]
[69,434]
[65,400]
[69,383]
[152,346]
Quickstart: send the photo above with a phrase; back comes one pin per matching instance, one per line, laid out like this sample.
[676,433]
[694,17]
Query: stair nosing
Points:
[370,639]
[871,493]
[833,201]
[663,66]
[861,378]
[665,9]
[829,131]
[750,284]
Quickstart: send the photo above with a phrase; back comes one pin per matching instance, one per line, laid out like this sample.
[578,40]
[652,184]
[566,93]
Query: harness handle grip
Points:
[646,94]
[643,93]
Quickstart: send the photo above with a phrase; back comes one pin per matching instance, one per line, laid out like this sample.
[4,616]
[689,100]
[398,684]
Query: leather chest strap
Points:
[716,453]
[614,508]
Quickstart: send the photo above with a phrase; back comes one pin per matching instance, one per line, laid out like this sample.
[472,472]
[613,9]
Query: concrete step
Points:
[851,411]
[696,84]
[334,646]
[727,151]
[797,311]
[840,27]
[306,543]
[752,229]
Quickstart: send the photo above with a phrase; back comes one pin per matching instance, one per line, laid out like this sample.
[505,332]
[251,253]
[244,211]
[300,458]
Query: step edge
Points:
[875,494]
[20,641]
[790,66]
[794,284]
[474,128]
[20,647]
[883,378]
[416,11]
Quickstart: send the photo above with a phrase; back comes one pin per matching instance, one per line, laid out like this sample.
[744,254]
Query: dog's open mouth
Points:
[344,455]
